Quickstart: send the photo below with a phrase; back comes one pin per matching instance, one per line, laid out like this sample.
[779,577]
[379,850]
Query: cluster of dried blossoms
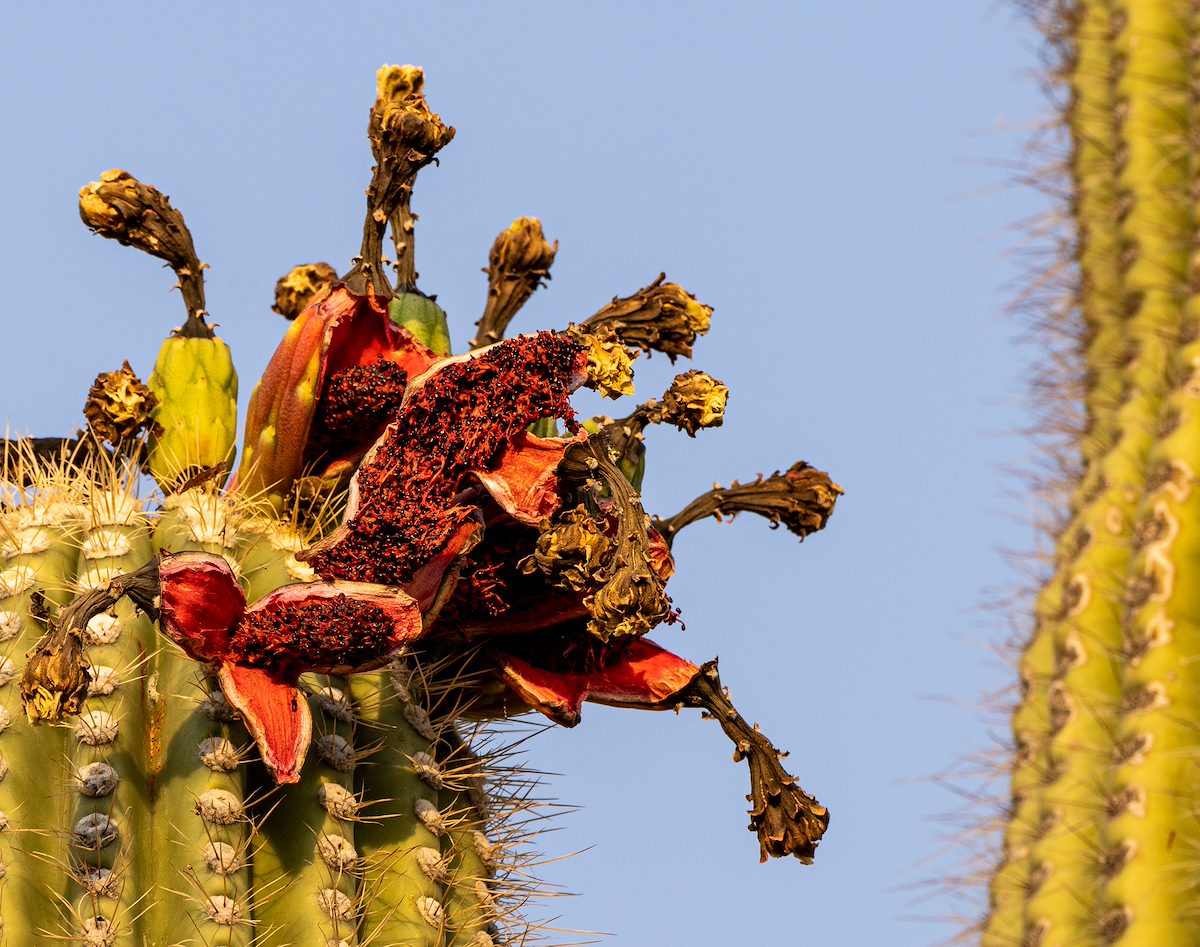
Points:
[487,532]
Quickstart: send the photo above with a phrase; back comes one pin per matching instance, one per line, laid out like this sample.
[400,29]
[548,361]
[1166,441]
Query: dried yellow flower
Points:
[695,400]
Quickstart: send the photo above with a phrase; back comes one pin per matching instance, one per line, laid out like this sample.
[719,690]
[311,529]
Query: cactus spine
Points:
[1105,730]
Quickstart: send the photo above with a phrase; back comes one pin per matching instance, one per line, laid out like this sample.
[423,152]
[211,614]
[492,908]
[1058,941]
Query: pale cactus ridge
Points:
[276,706]
[1099,836]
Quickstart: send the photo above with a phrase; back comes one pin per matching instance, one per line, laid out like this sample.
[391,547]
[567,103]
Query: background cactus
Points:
[1101,837]
[164,828]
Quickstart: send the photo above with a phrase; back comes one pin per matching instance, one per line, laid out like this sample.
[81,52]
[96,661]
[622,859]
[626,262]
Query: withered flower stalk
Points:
[55,681]
[801,499]
[405,136]
[519,262]
[788,820]
[122,208]
[662,317]
[695,400]
[629,596]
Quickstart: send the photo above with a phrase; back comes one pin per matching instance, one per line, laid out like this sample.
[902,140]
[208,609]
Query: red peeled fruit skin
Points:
[641,675]
[336,331]
[259,652]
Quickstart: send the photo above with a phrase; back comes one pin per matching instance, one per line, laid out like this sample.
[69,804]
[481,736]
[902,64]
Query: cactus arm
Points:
[1155,90]
[1150,838]
[1009,886]
[1079,628]
[1102,300]
[40,553]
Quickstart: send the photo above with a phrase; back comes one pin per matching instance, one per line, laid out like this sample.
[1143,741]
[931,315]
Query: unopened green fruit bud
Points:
[422,317]
[196,416]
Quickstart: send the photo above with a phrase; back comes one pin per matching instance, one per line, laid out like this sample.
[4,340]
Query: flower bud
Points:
[519,262]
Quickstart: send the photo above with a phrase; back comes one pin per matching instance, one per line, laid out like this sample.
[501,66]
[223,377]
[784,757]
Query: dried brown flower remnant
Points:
[122,208]
[801,499]
[610,557]
[788,820]
[118,406]
[695,400]
[299,286]
[55,681]
[405,136]
[400,111]
[519,262]
[663,317]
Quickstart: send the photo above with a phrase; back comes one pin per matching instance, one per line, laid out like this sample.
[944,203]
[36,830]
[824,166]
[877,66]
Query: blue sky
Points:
[838,181]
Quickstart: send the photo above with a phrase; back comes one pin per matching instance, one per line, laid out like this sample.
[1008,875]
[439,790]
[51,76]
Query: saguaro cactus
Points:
[264,695]
[1101,839]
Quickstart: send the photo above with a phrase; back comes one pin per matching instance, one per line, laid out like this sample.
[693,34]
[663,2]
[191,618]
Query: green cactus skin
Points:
[39,552]
[108,860]
[1151,839]
[1074,870]
[201,818]
[404,898]
[305,864]
[469,855]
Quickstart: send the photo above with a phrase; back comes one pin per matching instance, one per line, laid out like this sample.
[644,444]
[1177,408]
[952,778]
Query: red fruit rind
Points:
[644,676]
[460,418]
[337,332]
[327,627]
[201,602]
[275,713]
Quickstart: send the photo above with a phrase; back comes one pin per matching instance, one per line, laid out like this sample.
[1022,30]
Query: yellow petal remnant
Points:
[571,551]
[609,366]
[661,317]
[401,111]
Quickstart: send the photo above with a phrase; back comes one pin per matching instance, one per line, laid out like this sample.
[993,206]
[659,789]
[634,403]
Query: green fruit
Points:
[424,318]
[196,416]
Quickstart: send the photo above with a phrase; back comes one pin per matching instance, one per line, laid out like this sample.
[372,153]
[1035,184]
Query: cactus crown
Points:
[278,689]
